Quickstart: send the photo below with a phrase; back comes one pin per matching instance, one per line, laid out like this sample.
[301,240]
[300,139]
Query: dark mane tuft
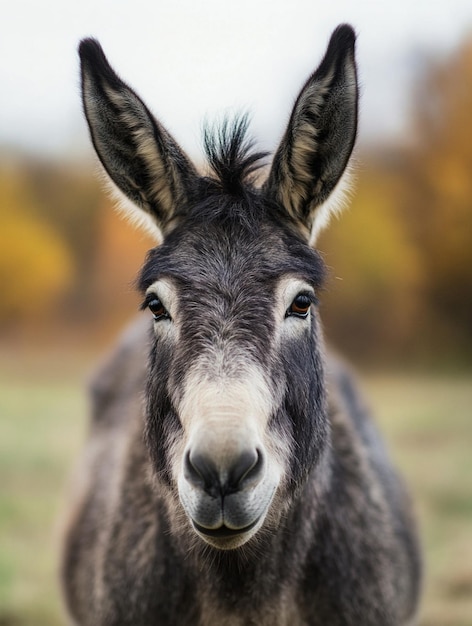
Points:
[230,153]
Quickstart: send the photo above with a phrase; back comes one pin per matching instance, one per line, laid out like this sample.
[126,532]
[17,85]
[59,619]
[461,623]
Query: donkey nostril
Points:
[199,470]
[247,467]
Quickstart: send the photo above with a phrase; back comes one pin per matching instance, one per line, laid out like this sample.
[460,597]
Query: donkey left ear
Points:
[319,139]
[139,155]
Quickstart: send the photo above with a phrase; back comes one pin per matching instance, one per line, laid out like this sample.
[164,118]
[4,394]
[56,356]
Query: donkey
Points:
[232,475]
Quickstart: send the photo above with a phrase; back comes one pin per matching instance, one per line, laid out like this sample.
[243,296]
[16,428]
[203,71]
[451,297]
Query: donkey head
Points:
[235,410]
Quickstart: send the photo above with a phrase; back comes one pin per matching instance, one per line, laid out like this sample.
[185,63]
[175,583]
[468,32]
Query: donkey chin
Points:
[226,486]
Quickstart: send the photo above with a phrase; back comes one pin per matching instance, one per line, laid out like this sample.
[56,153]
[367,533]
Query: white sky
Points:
[194,59]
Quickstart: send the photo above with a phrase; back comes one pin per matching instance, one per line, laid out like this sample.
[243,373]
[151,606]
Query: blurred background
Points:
[398,302]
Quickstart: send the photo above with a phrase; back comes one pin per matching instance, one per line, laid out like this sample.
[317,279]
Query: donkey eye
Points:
[300,306]
[157,309]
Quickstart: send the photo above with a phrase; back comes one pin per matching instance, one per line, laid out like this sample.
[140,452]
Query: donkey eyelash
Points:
[310,295]
[145,303]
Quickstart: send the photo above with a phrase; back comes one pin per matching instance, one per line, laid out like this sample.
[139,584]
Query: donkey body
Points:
[250,486]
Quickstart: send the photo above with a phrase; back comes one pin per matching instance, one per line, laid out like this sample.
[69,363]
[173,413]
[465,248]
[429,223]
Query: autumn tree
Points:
[437,195]
[35,263]
[69,198]
[375,273]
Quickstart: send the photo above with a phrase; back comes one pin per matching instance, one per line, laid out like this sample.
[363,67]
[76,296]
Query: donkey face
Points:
[235,374]
[235,417]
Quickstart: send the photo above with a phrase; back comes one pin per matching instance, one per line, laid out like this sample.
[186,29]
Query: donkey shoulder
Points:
[354,428]
[120,378]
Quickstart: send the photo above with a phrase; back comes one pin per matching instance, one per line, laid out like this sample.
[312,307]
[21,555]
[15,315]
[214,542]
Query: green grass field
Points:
[427,421]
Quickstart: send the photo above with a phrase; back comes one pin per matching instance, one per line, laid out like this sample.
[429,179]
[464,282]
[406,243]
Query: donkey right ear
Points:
[139,155]
[317,145]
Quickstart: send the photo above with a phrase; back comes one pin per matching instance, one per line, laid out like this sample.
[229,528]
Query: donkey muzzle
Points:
[225,490]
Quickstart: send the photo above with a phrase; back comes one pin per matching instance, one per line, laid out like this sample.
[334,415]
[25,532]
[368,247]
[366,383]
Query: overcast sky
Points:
[193,59]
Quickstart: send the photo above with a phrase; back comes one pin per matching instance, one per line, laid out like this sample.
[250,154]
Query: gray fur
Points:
[335,543]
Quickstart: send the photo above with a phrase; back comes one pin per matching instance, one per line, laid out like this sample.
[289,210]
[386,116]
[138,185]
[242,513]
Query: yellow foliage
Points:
[35,265]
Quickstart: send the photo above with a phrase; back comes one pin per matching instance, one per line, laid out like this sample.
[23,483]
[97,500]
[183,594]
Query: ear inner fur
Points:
[320,136]
[137,152]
